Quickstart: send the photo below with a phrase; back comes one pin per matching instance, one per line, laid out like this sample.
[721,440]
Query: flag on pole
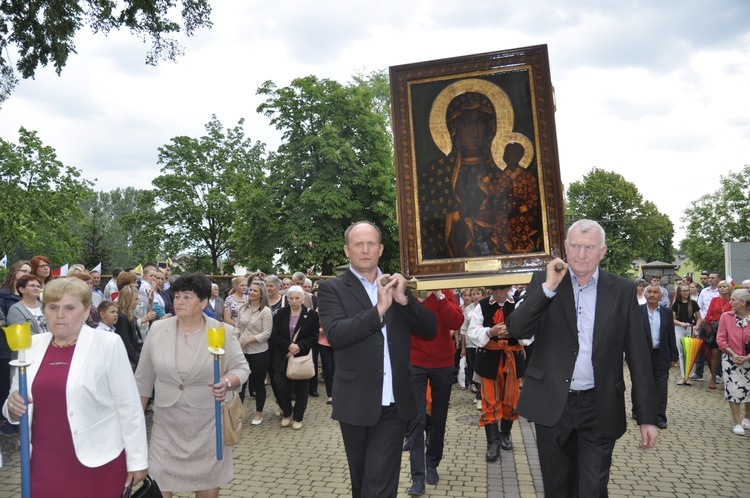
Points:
[97,268]
[61,272]
[4,261]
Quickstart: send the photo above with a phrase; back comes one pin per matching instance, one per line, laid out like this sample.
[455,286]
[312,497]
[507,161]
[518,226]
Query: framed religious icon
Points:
[477,171]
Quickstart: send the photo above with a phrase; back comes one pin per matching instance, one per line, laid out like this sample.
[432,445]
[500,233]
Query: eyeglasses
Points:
[26,272]
[43,266]
[33,286]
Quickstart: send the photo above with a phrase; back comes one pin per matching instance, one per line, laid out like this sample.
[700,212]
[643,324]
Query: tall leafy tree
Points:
[120,228]
[42,31]
[334,167]
[39,200]
[718,217]
[635,228]
[198,185]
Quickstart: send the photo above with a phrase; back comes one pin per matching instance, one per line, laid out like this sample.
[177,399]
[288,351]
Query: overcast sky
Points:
[654,90]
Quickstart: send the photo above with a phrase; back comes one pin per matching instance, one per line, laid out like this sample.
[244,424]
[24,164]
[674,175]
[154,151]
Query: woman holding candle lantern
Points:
[176,363]
[88,430]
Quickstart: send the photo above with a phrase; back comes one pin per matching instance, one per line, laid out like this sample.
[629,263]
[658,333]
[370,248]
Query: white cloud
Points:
[653,90]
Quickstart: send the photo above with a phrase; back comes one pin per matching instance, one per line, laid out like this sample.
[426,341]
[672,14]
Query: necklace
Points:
[191,333]
[55,344]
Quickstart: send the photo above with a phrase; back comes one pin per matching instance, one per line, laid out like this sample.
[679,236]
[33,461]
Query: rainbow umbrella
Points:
[690,346]
[19,340]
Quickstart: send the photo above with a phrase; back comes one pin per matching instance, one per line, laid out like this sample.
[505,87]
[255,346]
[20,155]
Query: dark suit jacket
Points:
[617,329]
[352,326]
[167,302]
[218,309]
[667,341]
[131,337]
[307,325]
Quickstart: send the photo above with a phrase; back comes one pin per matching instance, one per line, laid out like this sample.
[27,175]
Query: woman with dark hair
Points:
[8,293]
[42,268]
[254,325]
[290,320]
[29,308]
[687,320]
[177,366]
[8,297]
[640,287]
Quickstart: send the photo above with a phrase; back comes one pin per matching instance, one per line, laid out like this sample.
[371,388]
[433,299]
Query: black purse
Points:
[148,489]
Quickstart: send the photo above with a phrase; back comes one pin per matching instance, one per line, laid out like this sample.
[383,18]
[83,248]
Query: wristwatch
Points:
[229,383]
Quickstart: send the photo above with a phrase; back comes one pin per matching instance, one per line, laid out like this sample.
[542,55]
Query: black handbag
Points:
[148,489]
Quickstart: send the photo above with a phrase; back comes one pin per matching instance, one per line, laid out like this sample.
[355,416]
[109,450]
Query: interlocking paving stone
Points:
[690,458]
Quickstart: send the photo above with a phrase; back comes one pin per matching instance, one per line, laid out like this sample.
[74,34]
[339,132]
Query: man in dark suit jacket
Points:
[368,318]
[583,319]
[658,325]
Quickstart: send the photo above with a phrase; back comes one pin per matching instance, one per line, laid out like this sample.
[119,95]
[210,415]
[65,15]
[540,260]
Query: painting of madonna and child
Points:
[478,171]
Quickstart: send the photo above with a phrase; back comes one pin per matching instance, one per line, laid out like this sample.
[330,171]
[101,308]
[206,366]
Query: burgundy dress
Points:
[55,469]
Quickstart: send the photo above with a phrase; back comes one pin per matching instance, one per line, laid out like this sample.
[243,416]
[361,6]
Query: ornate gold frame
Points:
[517,84]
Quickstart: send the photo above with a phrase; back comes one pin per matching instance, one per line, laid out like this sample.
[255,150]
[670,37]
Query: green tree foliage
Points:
[635,228]
[334,167]
[378,83]
[120,228]
[198,186]
[42,31]
[39,201]
[718,217]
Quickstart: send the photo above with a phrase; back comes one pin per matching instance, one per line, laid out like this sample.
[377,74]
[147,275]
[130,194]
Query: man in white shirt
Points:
[704,299]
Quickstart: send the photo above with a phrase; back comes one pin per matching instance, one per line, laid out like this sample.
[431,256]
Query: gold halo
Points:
[503,114]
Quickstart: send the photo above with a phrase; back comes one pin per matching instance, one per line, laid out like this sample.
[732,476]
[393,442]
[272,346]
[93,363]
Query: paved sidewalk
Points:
[697,456]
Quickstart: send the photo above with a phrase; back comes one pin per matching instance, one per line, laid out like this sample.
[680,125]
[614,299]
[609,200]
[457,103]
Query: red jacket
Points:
[439,351]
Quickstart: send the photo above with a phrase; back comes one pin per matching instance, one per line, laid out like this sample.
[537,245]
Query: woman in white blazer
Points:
[88,432]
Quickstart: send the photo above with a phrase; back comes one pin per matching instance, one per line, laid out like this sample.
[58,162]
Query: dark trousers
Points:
[574,457]
[285,388]
[326,362]
[441,380]
[374,455]
[471,357]
[661,379]
[258,364]
[313,384]
[5,376]
[700,360]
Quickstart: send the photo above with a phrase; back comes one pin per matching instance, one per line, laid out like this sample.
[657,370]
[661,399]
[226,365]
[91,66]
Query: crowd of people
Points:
[376,336]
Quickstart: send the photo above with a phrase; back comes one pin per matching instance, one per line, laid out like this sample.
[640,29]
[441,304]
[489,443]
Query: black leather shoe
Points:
[505,442]
[432,476]
[406,446]
[314,394]
[661,425]
[416,489]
